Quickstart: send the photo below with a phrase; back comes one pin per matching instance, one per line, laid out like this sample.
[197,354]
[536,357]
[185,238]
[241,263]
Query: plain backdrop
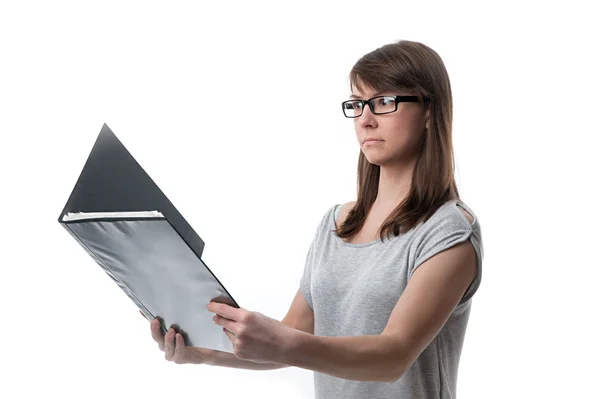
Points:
[233,108]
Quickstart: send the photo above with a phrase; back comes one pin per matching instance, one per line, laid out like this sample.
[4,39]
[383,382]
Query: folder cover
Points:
[131,229]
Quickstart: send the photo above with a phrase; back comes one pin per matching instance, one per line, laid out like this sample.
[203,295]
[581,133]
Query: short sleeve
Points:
[309,265]
[444,233]
[305,281]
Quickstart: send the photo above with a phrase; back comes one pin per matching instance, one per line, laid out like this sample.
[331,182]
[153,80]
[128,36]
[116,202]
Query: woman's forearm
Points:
[360,358]
[226,359]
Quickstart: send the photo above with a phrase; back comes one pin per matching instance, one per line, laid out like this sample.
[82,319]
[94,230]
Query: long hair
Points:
[407,65]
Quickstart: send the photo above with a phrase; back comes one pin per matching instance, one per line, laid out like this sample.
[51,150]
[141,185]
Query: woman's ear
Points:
[427,118]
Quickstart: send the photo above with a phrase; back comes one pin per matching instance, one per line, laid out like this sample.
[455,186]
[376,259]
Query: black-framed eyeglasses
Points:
[379,105]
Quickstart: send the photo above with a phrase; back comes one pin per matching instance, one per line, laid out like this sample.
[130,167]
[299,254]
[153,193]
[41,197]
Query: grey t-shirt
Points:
[352,289]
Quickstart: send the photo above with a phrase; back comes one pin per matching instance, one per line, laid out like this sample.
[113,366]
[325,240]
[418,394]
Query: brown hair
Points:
[407,65]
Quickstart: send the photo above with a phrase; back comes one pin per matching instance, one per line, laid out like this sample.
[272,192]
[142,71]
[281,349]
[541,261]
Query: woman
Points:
[384,300]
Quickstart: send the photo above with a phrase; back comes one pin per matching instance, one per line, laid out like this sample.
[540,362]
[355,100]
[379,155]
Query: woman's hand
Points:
[173,345]
[255,336]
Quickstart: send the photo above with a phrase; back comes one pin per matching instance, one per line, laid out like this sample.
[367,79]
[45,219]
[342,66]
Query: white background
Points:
[211,99]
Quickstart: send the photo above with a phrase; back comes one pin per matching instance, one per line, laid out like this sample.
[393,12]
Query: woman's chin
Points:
[374,160]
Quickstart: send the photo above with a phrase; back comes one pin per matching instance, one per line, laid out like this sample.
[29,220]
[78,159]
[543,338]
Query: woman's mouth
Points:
[372,142]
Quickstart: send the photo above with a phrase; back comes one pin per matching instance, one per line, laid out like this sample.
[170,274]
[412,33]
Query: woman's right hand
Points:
[173,345]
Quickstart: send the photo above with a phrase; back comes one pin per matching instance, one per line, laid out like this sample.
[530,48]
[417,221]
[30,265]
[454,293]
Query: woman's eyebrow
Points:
[377,93]
[374,95]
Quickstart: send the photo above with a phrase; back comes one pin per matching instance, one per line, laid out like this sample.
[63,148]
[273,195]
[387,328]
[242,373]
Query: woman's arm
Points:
[422,310]
[431,295]
[226,359]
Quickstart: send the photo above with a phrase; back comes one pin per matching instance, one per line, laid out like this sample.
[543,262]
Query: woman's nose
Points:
[367,118]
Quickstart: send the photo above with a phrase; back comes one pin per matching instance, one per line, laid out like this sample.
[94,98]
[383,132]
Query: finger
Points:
[225,310]
[232,337]
[170,344]
[143,315]
[180,354]
[226,323]
[157,333]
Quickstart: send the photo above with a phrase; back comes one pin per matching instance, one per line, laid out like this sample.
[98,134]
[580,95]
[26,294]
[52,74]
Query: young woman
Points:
[386,292]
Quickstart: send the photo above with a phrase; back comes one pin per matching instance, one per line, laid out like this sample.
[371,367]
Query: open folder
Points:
[131,229]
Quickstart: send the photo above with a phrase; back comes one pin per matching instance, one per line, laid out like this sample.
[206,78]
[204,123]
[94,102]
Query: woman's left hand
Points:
[255,336]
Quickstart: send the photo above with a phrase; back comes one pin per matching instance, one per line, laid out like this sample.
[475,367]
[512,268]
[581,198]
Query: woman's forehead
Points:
[370,92]
[373,84]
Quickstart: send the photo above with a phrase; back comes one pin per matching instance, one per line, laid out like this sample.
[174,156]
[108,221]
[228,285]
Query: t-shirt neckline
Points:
[348,244]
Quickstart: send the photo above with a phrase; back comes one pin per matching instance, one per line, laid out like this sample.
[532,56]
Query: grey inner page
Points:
[160,273]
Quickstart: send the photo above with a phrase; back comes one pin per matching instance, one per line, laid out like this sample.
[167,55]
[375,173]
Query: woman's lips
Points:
[372,142]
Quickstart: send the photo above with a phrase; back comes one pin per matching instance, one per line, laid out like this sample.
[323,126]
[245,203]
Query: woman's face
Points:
[399,133]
